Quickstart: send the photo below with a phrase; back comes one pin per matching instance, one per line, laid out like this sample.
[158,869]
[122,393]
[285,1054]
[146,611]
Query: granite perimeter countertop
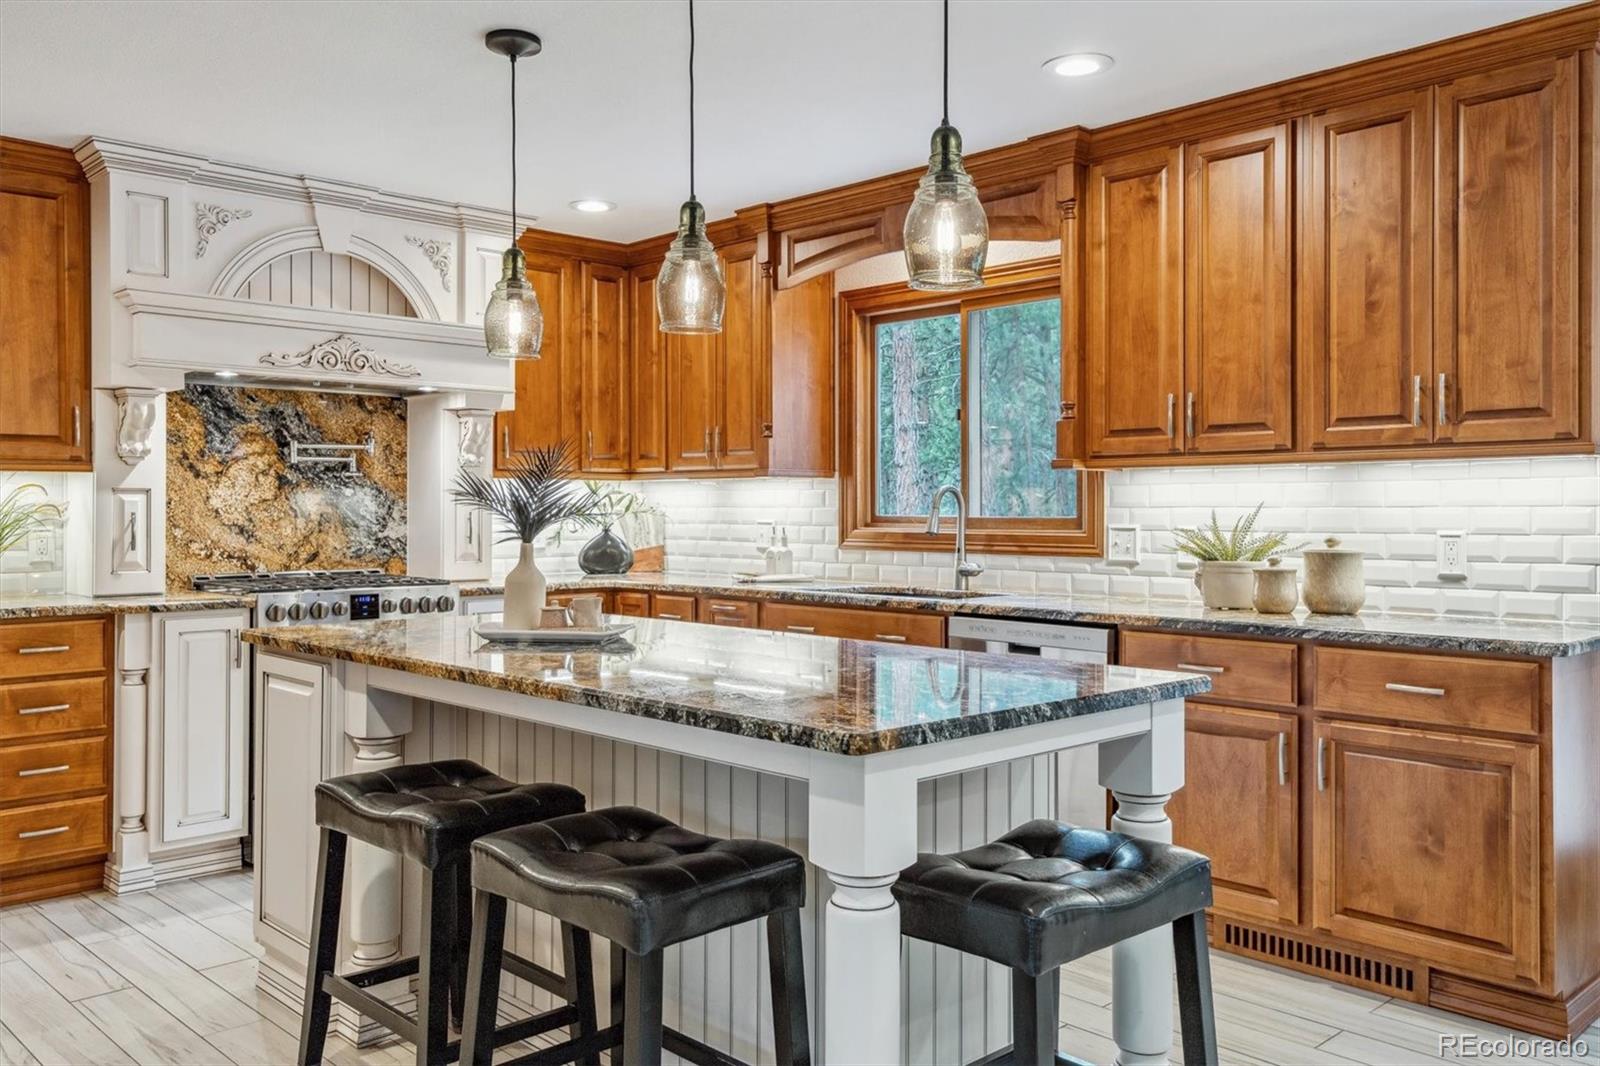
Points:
[66,605]
[843,696]
[1425,632]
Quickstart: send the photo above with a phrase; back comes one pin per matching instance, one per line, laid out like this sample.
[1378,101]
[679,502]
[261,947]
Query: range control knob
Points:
[425,605]
[295,612]
[388,607]
[406,605]
[341,609]
[275,613]
[319,610]
[444,603]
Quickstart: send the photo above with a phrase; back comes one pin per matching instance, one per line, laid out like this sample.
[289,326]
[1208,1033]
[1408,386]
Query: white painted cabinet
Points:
[200,747]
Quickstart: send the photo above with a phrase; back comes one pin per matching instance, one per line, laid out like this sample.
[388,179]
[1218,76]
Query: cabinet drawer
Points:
[564,599]
[34,709]
[634,604]
[1450,690]
[1256,670]
[36,771]
[895,627]
[673,606]
[29,834]
[722,612]
[49,649]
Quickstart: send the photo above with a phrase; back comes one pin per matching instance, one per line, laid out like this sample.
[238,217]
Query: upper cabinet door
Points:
[1133,338]
[1366,327]
[44,311]
[648,393]
[739,435]
[1506,278]
[694,363]
[604,374]
[1237,309]
[547,388]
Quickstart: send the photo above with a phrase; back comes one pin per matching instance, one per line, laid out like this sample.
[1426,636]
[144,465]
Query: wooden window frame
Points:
[860,526]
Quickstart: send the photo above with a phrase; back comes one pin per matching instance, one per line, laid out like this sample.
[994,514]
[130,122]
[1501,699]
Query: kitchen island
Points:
[848,751]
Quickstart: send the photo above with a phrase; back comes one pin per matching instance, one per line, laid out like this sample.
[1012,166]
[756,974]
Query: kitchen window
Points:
[961,389]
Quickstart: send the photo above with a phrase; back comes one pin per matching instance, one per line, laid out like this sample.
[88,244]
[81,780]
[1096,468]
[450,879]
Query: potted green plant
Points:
[21,517]
[1227,559]
[537,494]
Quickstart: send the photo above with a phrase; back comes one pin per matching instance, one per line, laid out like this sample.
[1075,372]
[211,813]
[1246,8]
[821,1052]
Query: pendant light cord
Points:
[513,150]
[691,99]
[946,120]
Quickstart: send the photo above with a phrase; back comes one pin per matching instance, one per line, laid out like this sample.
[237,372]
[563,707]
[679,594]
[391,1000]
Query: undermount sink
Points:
[907,593]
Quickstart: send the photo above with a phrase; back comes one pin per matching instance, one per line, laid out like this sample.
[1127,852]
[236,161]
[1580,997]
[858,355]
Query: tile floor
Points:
[168,976]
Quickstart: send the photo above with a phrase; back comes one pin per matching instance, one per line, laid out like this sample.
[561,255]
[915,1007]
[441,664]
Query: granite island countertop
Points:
[69,605]
[843,696]
[1415,631]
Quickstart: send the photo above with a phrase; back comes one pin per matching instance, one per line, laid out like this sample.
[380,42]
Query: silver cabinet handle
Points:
[801,629]
[716,439]
[1442,414]
[723,608]
[1322,763]
[1197,668]
[674,617]
[1415,690]
[505,441]
[1416,399]
[42,770]
[238,646]
[590,435]
[1188,417]
[32,833]
[892,638]
[50,709]
[1172,408]
[45,649]
[77,426]
[705,442]
[1283,758]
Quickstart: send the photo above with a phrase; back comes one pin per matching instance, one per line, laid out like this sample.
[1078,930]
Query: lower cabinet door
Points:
[1428,843]
[1240,806]
[203,722]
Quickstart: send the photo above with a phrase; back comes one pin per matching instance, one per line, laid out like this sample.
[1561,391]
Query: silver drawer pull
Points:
[674,617]
[1283,758]
[63,768]
[44,649]
[51,709]
[892,638]
[1197,668]
[1322,764]
[33,833]
[723,608]
[801,629]
[1415,690]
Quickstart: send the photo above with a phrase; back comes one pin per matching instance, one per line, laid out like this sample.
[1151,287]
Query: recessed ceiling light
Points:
[227,374]
[593,207]
[1079,64]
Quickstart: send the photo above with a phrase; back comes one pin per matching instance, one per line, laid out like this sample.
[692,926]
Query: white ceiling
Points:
[793,96]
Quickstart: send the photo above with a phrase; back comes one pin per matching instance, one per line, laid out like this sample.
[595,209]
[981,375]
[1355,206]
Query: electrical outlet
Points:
[41,548]
[1452,555]
[1122,545]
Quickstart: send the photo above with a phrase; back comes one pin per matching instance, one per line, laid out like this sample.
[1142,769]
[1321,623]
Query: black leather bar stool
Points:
[429,813]
[644,884]
[1047,893]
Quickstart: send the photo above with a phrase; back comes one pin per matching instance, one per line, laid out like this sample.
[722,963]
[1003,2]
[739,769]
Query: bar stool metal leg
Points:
[576,954]
[461,886]
[434,964]
[1193,956]
[792,1036]
[641,1016]
[483,979]
[1035,1016]
[324,946]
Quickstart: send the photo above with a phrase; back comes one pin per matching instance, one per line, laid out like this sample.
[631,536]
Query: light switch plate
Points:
[1122,545]
[1452,555]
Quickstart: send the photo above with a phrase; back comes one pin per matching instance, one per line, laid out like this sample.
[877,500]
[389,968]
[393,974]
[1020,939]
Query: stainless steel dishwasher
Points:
[1079,797]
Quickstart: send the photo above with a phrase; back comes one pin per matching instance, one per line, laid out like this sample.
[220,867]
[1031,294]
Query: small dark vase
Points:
[606,553]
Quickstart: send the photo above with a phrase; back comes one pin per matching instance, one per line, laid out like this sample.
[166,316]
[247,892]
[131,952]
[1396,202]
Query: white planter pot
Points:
[1226,586]
[525,588]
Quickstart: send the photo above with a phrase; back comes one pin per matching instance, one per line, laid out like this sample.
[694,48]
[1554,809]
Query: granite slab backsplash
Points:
[234,502]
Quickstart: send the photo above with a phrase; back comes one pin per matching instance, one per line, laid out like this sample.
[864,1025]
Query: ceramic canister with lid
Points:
[1335,581]
[1275,591]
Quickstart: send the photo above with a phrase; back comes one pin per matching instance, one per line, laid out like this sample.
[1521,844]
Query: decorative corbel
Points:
[475,428]
[136,420]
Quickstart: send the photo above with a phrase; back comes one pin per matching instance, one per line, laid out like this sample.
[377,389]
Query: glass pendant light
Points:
[690,293]
[513,325]
[946,231]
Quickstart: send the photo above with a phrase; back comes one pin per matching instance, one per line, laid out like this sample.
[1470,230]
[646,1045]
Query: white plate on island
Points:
[501,634]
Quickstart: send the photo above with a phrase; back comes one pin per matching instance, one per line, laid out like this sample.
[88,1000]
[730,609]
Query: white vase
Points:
[1226,586]
[524,596]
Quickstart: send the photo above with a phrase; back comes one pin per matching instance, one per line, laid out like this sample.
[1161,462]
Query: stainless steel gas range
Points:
[286,597]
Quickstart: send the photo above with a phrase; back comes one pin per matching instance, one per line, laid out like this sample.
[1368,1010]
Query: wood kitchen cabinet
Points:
[1428,843]
[548,389]
[1245,763]
[44,309]
[606,409]
[647,377]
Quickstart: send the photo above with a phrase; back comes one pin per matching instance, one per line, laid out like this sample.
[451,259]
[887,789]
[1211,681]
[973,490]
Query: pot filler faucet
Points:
[966,569]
